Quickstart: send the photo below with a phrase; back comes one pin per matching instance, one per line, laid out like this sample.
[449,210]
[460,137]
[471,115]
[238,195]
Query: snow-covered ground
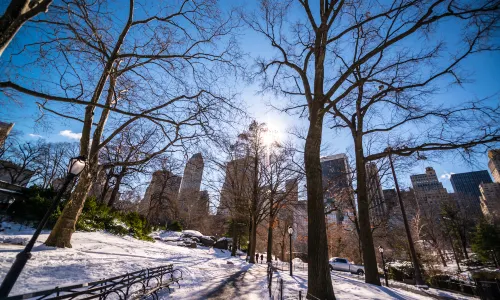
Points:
[207,272]
[351,286]
[98,255]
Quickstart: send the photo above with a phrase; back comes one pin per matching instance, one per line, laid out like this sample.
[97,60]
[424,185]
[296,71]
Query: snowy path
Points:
[249,283]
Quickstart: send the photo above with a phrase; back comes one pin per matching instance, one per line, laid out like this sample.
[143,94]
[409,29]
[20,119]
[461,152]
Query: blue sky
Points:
[485,74]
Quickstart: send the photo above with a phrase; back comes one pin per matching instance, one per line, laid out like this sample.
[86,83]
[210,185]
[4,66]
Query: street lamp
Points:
[248,250]
[76,166]
[381,250]
[290,232]
[416,266]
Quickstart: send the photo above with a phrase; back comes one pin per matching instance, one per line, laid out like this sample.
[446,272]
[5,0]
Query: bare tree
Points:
[159,204]
[129,70]
[281,180]
[118,158]
[16,14]
[53,162]
[351,61]
[20,162]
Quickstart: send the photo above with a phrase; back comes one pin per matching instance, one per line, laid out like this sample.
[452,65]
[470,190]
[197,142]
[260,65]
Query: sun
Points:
[272,135]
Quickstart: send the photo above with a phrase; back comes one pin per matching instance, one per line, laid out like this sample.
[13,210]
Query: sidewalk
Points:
[249,283]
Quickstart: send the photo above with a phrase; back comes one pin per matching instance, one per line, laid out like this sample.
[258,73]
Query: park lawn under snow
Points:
[98,255]
[206,272]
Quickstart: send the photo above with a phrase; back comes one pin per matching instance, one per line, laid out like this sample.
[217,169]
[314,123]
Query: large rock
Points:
[207,241]
[222,243]
[191,245]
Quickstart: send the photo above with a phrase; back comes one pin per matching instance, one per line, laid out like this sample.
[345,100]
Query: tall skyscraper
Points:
[160,200]
[189,192]
[490,200]
[392,205]
[5,129]
[375,193]
[494,164]
[292,190]
[391,199]
[237,187]
[337,187]
[429,192]
[468,183]
[466,187]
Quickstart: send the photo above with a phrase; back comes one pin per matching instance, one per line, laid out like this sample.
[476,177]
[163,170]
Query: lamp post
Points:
[290,232]
[416,266]
[76,166]
[381,250]
[248,251]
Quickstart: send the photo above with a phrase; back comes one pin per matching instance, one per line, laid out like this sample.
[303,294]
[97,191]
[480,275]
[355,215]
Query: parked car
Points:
[342,264]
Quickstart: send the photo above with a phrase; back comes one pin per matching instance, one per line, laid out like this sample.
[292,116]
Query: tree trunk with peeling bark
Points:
[60,236]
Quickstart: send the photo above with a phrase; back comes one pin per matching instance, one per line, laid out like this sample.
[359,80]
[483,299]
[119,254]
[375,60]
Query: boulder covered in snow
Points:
[188,237]
[207,241]
[191,233]
[223,243]
[192,245]
[167,236]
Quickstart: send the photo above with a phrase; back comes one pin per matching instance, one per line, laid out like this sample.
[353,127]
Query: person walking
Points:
[257,258]
[261,258]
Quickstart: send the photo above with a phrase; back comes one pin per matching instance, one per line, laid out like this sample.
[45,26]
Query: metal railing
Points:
[140,284]
[488,290]
[277,293]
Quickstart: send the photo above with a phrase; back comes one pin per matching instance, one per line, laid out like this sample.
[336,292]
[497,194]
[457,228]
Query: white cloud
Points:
[446,175]
[72,135]
[35,135]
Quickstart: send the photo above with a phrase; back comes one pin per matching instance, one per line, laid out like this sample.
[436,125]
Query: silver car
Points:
[342,264]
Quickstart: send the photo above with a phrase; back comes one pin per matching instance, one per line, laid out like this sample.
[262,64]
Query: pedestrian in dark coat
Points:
[257,257]
[261,258]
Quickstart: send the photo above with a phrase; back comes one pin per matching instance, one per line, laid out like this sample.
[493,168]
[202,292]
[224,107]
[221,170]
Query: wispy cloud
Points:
[446,175]
[69,134]
[35,135]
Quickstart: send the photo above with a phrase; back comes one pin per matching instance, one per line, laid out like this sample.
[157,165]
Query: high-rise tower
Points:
[189,192]
[337,189]
[494,164]
[429,192]
[375,192]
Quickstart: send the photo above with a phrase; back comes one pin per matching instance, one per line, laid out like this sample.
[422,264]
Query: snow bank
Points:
[192,233]
[97,255]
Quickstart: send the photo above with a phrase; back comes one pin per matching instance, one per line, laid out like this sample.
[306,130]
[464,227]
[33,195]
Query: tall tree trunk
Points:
[319,283]
[440,253]
[235,238]
[270,239]
[106,185]
[283,250]
[253,208]
[463,241]
[60,236]
[365,232]
[253,241]
[116,188]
